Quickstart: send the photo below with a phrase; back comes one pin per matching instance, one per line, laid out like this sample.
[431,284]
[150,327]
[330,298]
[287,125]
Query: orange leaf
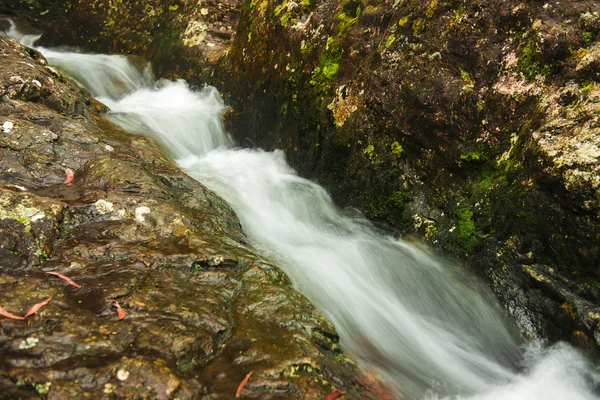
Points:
[66,279]
[242,384]
[334,395]
[70,176]
[120,312]
[9,315]
[36,307]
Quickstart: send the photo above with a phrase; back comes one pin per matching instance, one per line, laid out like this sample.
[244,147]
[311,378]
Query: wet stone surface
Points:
[202,309]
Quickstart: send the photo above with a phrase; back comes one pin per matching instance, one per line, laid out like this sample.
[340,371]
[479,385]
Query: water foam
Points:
[421,321]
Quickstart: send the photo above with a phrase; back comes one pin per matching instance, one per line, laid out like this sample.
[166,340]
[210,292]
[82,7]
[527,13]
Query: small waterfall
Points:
[422,322]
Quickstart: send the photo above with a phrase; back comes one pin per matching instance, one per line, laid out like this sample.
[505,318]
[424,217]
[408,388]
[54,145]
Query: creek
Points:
[423,323]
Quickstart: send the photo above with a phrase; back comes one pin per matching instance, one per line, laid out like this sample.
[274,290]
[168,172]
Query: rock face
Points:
[36,14]
[473,124]
[202,309]
[182,38]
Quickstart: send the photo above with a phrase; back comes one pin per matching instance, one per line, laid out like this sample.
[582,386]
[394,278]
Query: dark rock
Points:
[181,38]
[473,125]
[202,309]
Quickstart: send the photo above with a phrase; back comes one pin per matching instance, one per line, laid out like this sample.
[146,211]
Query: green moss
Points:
[430,231]
[329,63]
[459,14]
[369,151]
[285,19]
[330,67]
[430,10]
[280,8]
[466,77]
[487,181]
[326,71]
[346,17]
[42,255]
[587,86]
[396,148]
[418,26]
[529,63]
[587,37]
[173,7]
[186,366]
[386,208]
[465,236]
[43,388]
[284,109]
[473,156]
[306,48]
[389,41]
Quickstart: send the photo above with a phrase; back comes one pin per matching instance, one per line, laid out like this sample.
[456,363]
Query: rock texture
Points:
[202,309]
[182,38]
[473,124]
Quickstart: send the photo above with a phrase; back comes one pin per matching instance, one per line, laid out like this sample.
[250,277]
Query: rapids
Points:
[422,322]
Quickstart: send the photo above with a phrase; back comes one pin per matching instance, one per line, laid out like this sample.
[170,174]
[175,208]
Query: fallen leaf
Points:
[36,307]
[70,176]
[9,315]
[65,278]
[334,395]
[120,312]
[242,384]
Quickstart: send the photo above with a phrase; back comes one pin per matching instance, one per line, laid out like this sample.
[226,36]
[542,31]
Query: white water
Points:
[423,323]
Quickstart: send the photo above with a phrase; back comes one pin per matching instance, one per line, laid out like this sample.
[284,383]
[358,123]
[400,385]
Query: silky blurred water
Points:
[424,324]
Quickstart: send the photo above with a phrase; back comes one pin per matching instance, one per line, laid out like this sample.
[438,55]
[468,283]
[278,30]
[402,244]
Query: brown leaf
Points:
[70,176]
[334,395]
[120,312]
[65,278]
[9,315]
[242,384]
[36,307]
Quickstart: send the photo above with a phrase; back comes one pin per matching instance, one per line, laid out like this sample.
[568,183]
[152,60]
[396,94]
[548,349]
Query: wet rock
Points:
[195,34]
[202,310]
[35,14]
[473,125]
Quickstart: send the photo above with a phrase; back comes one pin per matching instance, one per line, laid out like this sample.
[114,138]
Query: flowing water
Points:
[428,327]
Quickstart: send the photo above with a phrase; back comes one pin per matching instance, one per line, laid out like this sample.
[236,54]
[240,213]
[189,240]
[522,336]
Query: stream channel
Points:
[423,323]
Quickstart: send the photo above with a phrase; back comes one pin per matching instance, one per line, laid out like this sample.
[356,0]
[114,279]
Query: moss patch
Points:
[530,64]
[388,208]
[465,237]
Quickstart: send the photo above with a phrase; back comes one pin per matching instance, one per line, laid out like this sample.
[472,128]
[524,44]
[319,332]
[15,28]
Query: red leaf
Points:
[334,395]
[36,307]
[70,176]
[242,384]
[9,315]
[120,312]
[66,279]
